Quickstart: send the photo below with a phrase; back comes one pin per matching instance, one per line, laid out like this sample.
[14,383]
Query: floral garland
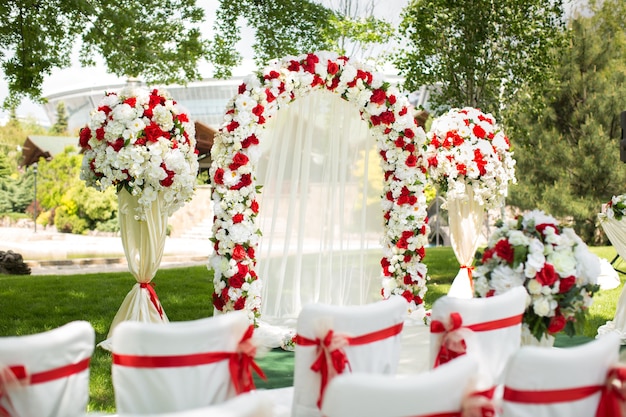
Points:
[235,154]
[615,208]
[467,148]
[142,141]
[551,262]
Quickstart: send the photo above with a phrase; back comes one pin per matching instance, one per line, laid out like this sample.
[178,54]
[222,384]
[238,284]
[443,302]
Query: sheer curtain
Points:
[320,212]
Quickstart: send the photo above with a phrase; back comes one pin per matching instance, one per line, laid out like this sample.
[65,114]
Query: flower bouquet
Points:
[551,262]
[615,208]
[142,141]
[466,148]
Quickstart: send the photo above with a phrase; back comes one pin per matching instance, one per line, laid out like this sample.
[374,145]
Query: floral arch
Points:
[235,154]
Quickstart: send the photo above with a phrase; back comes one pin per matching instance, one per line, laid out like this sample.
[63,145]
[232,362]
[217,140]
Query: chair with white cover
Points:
[489,327]
[250,404]
[176,366]
[334,339]
[555,382]
[46,374]
[443,391]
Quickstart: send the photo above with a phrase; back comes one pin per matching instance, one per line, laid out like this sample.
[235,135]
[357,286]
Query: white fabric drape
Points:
[616,232]
[320,212]
[465,217]
[143,242]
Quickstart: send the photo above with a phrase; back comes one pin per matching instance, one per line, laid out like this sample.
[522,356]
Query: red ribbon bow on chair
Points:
[452,342]
[241,364]
[330,351]
[331,358]
[10,375]
[613,399]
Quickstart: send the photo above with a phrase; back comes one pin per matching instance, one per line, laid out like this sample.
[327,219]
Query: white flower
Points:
[544,306]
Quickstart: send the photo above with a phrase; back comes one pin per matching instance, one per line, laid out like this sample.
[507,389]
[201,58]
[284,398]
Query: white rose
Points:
[503,278]
[564,262]
[534,287]
[543,306]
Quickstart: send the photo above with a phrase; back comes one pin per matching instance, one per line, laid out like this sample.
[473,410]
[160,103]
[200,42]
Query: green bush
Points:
[69,223]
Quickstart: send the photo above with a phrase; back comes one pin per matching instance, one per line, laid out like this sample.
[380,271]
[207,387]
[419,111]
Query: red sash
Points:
[153,297]
[453,345]
[611,400]
[20,375]
[240,363]
[330,352]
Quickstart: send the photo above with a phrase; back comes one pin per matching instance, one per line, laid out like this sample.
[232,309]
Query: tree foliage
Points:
[157,40]
[59,128]
[477,52]
[568,154]
[293,27]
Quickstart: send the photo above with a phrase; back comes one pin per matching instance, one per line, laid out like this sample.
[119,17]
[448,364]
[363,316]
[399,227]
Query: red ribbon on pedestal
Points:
[153,296]
[240,363]
[331,358]
[453,344]
[469,268]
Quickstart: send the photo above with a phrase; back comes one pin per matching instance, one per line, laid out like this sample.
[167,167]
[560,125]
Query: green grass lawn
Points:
[32,304]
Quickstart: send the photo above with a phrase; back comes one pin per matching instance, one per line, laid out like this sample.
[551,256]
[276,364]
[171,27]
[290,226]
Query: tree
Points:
[158,40]
[292,27]
[477,52]
[568,153]
[60,125]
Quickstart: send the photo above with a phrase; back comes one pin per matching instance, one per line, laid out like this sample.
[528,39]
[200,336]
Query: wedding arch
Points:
[236,195]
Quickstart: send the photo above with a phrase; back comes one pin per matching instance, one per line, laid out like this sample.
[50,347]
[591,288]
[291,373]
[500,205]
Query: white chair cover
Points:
[251,404]
[46,357]
[379,357]
[143,242]
[493,347]
[435,392]
[161,389]
[465,217]
[320,209]
[539,368]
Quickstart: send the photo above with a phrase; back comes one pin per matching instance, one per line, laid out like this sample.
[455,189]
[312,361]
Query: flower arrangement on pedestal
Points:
[466,148]
[550,261]
[236,151]
[615,208]
[143,141]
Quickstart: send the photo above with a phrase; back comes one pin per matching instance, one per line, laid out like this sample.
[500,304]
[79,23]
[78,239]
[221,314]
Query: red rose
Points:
[246,179]
[250,140]
[85,135]
[100,133]
[236,281]
[384,263]
[239,253]
[557,323]
[237,218]
[242,88]
[504,250]
[411,161]
[152,132]
[239,160]
[254,206]
[218,303]
[409,133]
[232,126]
[378,96]
[219,176]
[407,279]
[131,101]
[240,303]
[117,145]
[408,295]
[387,117]
[273,74]
[332,67]
[461,168]
[566,284]
[251,256]
[294,66]
[105,109]
[182,118]
[479,132]
[433,162]
[269,95]
[547,275]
